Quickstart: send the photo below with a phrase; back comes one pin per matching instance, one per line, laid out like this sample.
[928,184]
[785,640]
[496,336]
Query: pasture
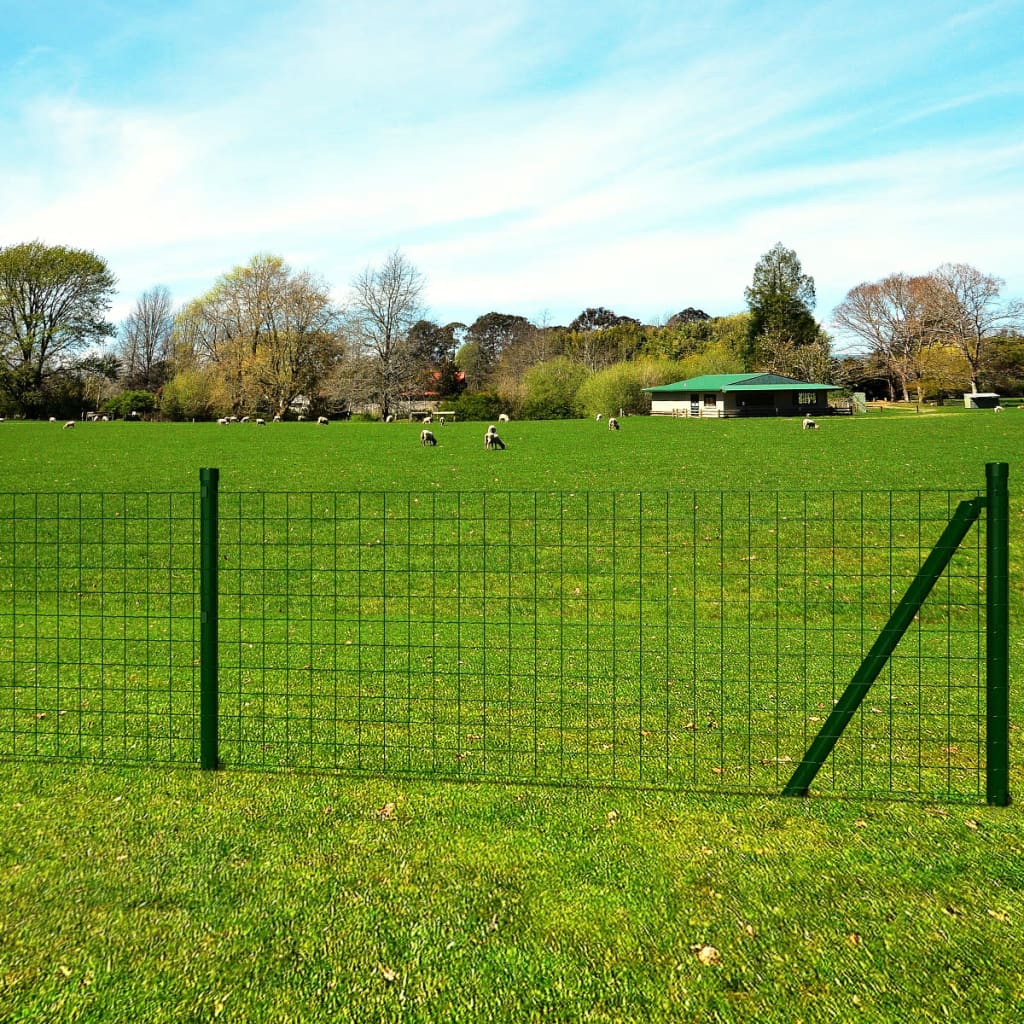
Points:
[165,894]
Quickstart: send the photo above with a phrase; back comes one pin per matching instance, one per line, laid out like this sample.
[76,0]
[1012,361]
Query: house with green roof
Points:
[725,395]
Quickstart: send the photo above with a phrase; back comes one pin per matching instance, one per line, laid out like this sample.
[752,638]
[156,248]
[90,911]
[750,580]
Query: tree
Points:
[964,311]
[52,305]
[145,340]
[265,333]
[687,316]
[596,319]
[780,299]
[891,315]
[488,337]
[384,306]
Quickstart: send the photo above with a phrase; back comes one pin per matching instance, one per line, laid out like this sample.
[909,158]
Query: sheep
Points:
[613,423]
[244,419]
[322,421]
[300,419]
[997,408]
[105,419]
[427,420]
[491,440]
[809,424]
[441,420]
[260,422]
[503,418]
[427,437]
[222,422]
[389,418]
[599,417]
[70,425]
[277,418]
[53,419]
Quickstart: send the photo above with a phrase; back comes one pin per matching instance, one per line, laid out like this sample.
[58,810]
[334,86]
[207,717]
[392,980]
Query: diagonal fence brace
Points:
[934,565]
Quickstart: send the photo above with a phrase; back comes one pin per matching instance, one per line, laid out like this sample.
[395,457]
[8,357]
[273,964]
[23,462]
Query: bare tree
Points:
[384,305]
[145,343]
[891,315]
[964,311]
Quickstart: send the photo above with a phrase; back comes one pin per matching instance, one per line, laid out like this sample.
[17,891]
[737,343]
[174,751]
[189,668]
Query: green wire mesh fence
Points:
[685,639]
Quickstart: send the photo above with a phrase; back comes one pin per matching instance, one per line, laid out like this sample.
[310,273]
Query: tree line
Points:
[267,339]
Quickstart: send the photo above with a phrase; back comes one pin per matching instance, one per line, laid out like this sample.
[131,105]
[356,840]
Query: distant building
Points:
[727,395]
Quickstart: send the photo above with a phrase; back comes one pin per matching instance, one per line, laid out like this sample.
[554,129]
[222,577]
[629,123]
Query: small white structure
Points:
[980,400]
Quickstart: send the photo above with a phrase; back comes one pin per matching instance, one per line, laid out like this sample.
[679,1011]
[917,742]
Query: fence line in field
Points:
[691,639]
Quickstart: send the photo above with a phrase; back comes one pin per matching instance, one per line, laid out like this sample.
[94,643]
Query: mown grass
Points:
[162,894]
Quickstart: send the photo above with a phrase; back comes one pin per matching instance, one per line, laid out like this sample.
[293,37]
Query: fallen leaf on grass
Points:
[853,939]
[387,812]
[613,816]
[707,955]
[972,824]
[860,823]
[389,975]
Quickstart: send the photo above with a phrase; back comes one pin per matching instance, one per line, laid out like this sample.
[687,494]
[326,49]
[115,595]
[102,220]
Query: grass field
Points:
[161,894]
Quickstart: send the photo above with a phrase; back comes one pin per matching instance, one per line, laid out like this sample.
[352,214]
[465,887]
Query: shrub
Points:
[551,389]
[480,405]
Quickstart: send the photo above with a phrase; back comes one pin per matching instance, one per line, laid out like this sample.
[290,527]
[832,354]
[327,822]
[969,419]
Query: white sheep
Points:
[503,418]
[244,419]
[491,440]
[427,437]
[613,423]
[389,418]
[427,420]
[323,421]
[300,419]
[222,422]
[809,424]
[441,420]
[70,425]
[599,417]
[53,419]
[997,408]
[260,422]
[277,418]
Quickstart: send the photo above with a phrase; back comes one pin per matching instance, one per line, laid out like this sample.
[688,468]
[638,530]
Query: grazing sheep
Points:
[105,419]
[427,437]
[244,419]
[70,425]
[277,419]
[997,408]
[222,422]
[809,424]
[491,440]
[389,418]
[323,421]
[503,418]
[260,422]
[441,421]
[427,420]
[53,419]
[599,417]
[300,419]
[613,423]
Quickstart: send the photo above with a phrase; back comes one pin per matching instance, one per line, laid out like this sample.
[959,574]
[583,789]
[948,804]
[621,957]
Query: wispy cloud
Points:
[543,158]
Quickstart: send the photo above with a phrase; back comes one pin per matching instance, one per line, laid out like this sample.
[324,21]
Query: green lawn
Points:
[162,894]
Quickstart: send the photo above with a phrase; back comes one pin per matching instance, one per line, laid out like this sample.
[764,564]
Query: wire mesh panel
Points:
[98,626]
[693,639]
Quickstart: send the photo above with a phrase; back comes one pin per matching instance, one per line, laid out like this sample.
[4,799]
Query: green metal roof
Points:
[740,382]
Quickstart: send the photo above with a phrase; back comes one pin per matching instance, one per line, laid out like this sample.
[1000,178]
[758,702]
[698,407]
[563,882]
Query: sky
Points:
[536,157]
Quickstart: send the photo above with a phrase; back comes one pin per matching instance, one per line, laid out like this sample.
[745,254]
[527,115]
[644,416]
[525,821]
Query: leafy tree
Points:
[552,388]
[597,319]
[52,304]
[265,333]
[490,335]
[1005,364]
[478,406]
[780,299]
[128,403]
[187,396]
[687,316]
[621,387]
[384,306]
[145,347]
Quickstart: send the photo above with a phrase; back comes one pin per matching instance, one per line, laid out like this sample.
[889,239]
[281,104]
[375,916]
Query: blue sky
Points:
[538,160]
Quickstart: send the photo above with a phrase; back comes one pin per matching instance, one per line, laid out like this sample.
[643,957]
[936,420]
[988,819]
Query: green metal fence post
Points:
[208,557]
[997,636]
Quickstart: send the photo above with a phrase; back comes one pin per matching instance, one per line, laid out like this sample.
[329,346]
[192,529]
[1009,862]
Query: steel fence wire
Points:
[688,639]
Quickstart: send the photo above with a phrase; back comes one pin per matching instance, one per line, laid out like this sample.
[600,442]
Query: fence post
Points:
[208,558]
[997,636]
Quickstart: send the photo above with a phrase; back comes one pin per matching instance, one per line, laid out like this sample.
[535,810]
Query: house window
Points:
[805,398]
[710,400]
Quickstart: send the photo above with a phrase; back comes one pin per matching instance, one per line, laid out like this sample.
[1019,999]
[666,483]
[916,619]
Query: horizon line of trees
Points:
[265,336]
